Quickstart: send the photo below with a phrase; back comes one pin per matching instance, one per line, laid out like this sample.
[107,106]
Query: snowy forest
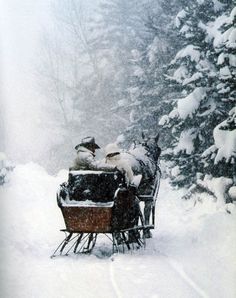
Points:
[124,72]
[149,67]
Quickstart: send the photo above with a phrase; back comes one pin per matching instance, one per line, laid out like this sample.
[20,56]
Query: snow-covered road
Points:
[191,254]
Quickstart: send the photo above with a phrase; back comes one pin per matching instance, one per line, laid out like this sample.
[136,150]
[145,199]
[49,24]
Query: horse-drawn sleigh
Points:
[99,202]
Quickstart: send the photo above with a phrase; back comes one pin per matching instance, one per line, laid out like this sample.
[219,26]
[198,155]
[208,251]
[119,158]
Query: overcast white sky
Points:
[21,25]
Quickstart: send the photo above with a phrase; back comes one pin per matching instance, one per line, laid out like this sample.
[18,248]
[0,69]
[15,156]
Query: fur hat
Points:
[87,142]
[112,149]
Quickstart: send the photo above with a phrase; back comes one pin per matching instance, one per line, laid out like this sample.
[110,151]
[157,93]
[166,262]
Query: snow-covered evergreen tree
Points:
[225,47]
[147,88]
[198,108]
[219,159]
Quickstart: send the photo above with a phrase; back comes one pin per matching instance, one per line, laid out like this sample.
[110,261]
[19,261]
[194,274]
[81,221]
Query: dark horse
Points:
[144,159]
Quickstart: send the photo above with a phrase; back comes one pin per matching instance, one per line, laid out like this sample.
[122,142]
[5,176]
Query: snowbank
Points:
[191,254]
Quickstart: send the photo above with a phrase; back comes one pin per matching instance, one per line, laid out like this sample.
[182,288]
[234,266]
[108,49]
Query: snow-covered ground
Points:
[192,252]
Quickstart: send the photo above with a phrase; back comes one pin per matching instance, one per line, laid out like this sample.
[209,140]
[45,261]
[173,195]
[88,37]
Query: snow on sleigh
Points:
[94,202]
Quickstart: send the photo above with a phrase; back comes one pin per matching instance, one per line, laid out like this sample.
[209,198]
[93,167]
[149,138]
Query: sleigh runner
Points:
[96,202]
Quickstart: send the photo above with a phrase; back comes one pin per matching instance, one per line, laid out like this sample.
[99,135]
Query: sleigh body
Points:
[99,202]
